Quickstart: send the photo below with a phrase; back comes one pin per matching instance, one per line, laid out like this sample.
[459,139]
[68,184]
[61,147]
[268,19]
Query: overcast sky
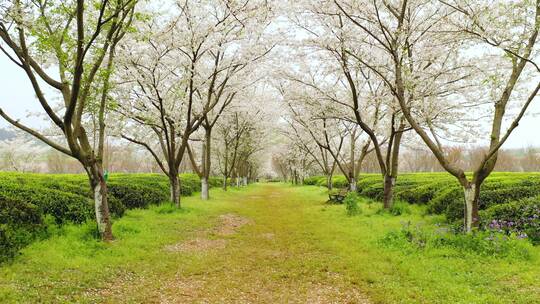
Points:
[17,98]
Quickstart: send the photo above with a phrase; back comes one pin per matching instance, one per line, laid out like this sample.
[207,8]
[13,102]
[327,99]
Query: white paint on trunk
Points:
[98,204]
[352,185]
[244,181]
[204,188]
[469,201]
[238,182]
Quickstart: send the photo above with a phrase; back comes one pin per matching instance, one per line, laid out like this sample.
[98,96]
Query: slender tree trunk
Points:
[471,219]
[225,182]
[352,167]
[388,193]
[174,183]
[226,173]
[205,193]
[99,189]
[204,188]
[329,182]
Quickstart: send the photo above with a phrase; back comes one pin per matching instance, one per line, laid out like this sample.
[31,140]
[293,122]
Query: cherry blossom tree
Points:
[496,60]
[187,69]
[339,80]
[77,41]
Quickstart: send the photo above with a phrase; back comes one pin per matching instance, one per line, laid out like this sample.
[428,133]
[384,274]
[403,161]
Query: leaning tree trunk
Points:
[99,189]
[174,184]
[471,219]
[388,192]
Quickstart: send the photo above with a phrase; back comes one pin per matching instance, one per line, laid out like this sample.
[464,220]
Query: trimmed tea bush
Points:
[441,192]
[26,199]
[20,224]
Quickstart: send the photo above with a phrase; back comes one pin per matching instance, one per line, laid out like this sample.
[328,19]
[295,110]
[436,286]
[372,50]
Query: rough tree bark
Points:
[392,165]
[101,206]
[174,185]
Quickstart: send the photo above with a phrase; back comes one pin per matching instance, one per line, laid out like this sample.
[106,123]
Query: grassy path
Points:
[252,253]
[270,243]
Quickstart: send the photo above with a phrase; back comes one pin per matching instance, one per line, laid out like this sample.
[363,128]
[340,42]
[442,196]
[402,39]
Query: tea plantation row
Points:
[29,203]
[512,198]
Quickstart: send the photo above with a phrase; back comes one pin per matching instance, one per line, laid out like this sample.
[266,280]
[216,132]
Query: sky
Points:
[17,98]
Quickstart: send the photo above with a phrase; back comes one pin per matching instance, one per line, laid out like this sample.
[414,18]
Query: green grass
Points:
[294,249]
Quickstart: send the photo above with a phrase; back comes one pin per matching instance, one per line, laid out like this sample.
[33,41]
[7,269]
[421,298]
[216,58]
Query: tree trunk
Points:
[388,194]
[245,181]
[174,183]
[225,183]
[204,188]
[226,173]
[205,194]
[392,168]
[99,189]
[329,182]
[471,219]
[352,184]
[352,174]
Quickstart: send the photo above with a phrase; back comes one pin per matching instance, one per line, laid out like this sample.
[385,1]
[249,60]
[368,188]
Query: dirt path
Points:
[257,251]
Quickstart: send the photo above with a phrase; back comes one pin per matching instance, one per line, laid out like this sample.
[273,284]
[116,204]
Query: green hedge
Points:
[20,223]
[441,192]
[27,199]
[313,180]
[338,181]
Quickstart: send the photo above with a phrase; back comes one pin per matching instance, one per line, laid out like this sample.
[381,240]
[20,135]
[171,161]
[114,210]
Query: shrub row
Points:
[441,192]
[338,181]
[509,202]
[29,201]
